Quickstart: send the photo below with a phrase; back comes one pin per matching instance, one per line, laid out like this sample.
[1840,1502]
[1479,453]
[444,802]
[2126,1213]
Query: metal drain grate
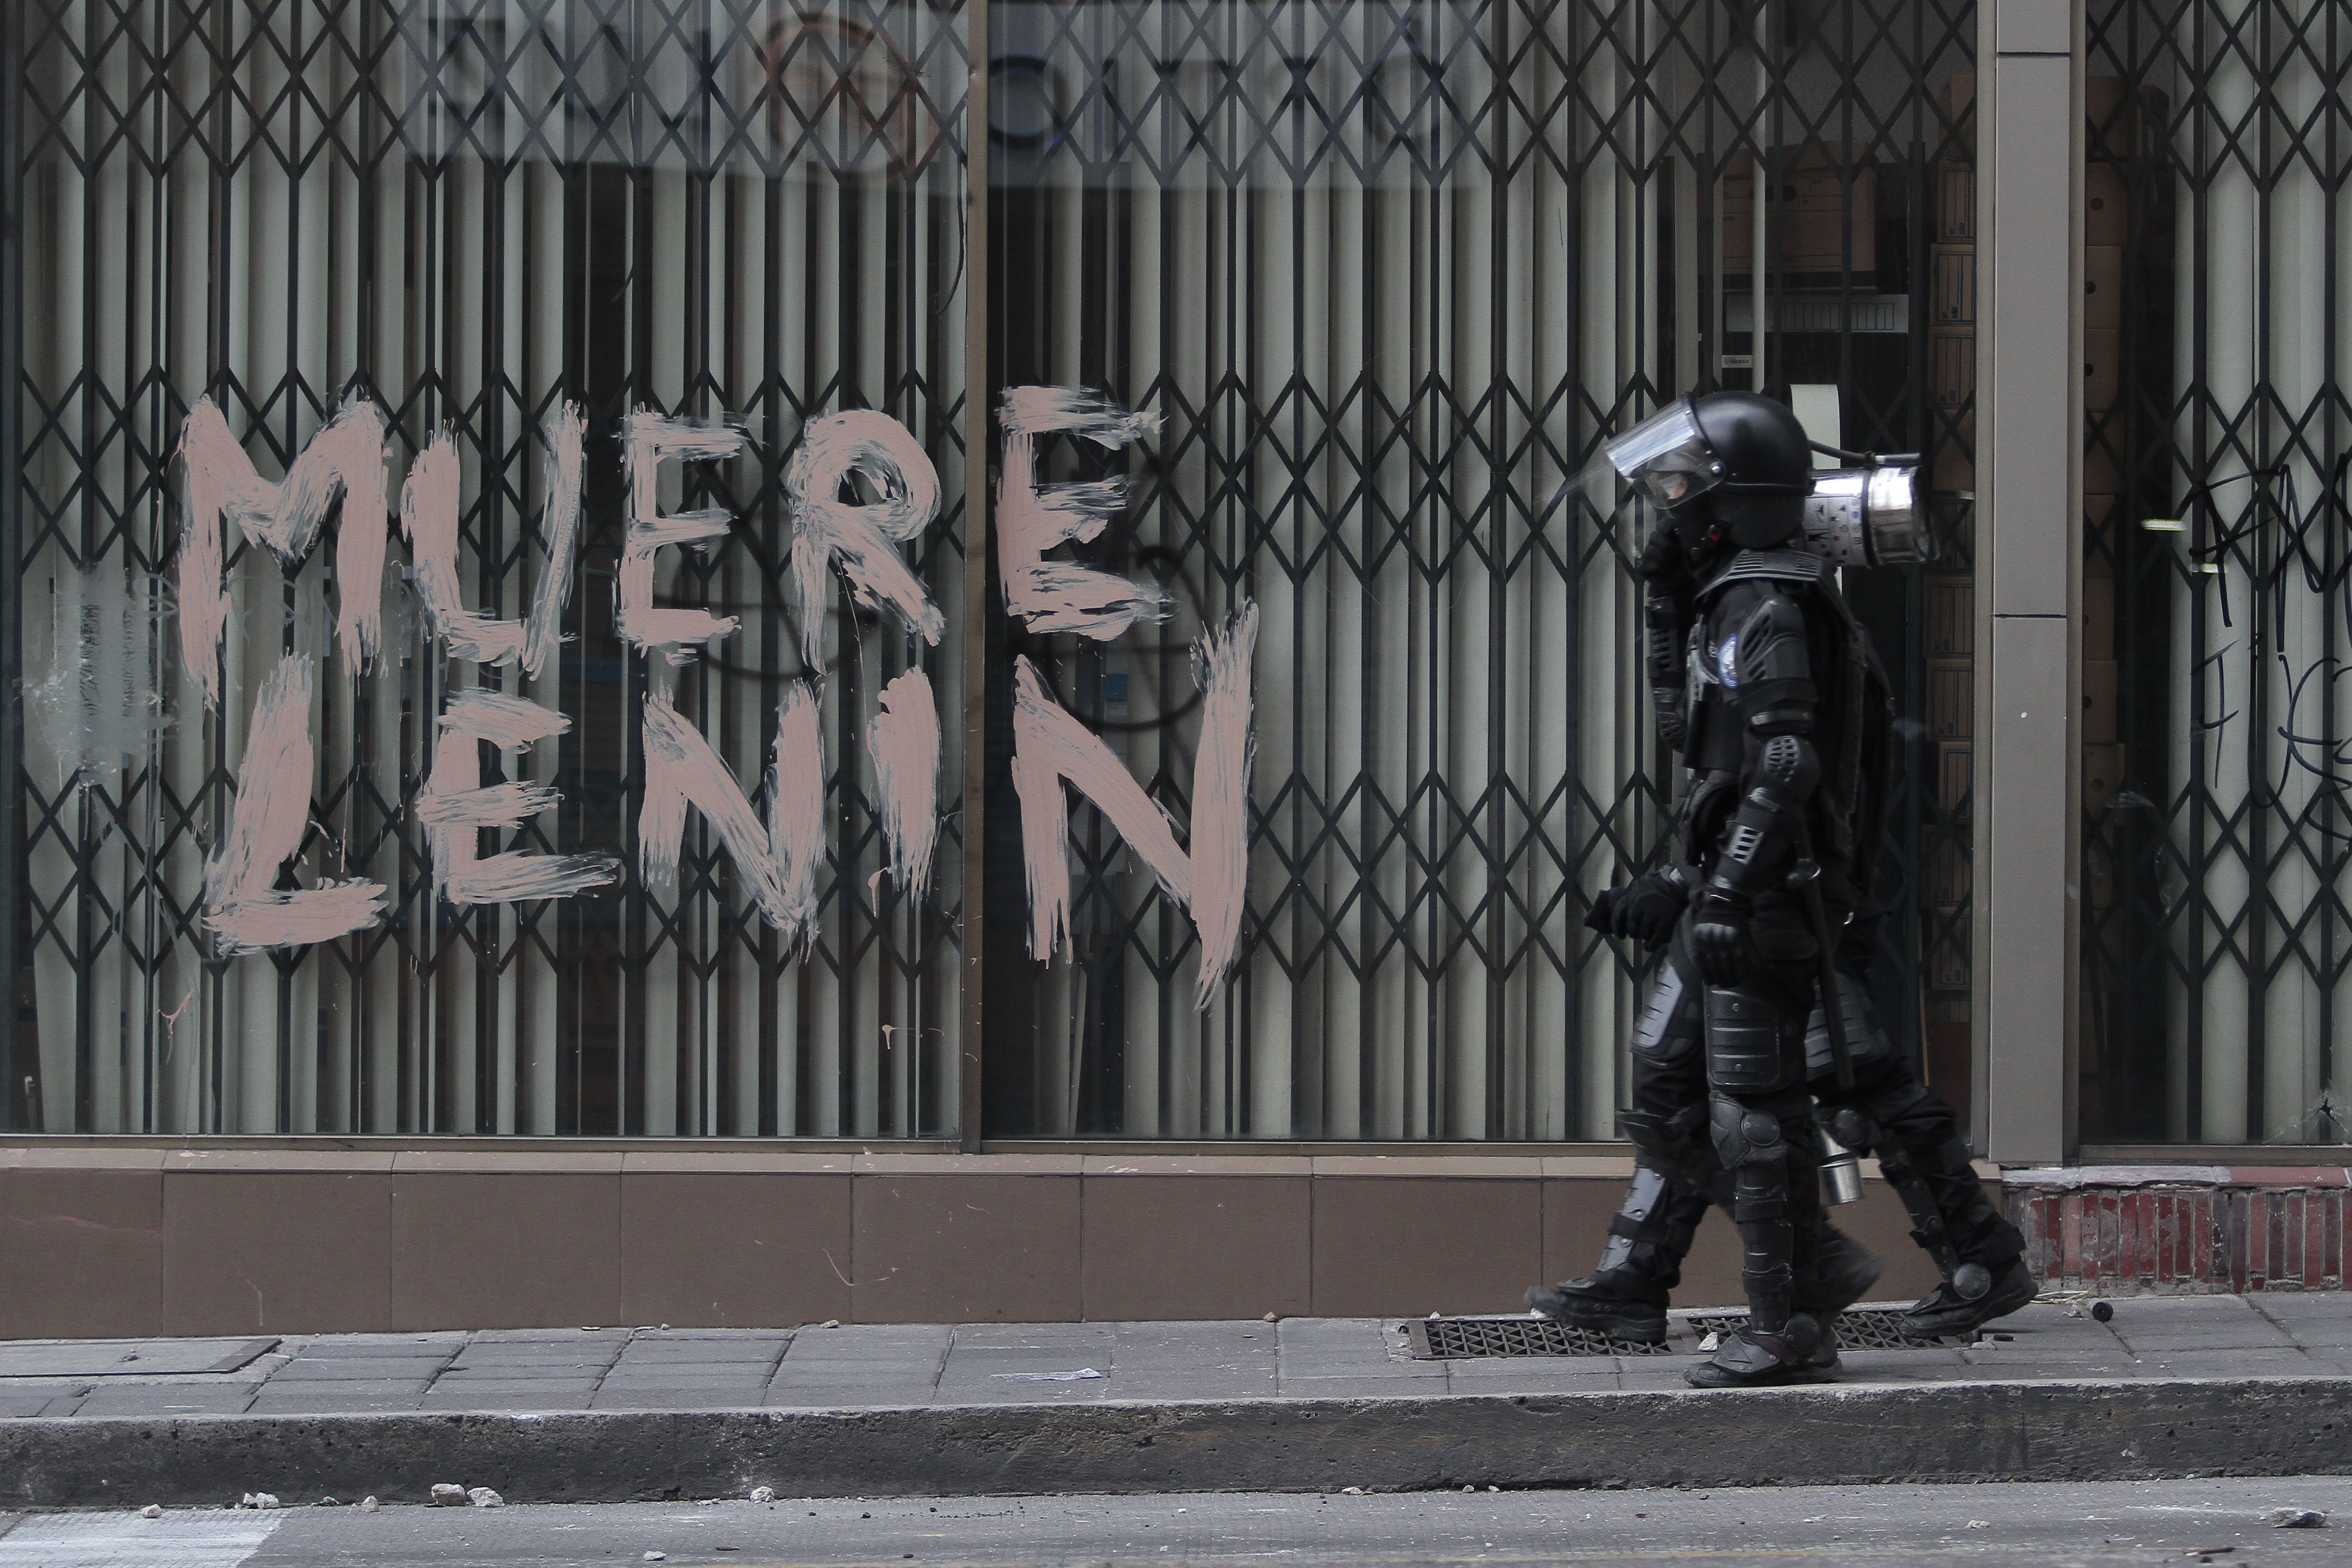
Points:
[1861,1329]
[1453,1339]
[1465,1339]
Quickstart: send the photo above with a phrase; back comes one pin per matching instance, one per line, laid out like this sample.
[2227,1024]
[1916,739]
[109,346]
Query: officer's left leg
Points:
[1762,1119]
[1916,1138]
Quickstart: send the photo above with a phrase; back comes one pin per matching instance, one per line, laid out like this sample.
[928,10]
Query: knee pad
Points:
[1674,1145]
[1754,1144]
[1852,1127]
[1749,1043]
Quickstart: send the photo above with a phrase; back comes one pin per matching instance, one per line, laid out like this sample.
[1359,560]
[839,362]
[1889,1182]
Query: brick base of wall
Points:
[2182,1231]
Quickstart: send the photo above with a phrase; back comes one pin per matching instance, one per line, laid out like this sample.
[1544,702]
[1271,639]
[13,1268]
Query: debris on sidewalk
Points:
[150,1511]
[2297,1519]
[258,1500]
[447,1494]
[483,1497]
[1078,1376]
[368,1504]
[763,1494]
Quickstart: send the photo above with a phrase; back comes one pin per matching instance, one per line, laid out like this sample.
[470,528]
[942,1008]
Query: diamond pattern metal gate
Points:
[467,211]
[2216,934]
[1389,272]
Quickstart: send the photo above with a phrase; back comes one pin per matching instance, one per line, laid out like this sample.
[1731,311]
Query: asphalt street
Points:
[1853,1527]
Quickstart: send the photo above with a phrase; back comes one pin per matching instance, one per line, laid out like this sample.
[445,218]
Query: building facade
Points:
[742,661]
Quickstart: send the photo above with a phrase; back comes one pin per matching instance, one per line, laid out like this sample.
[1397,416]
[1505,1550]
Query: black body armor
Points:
[1768,685]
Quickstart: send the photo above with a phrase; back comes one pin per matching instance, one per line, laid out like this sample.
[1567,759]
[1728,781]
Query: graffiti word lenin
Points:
[779,857]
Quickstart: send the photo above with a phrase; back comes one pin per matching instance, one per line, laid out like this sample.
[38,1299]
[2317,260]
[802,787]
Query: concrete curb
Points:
[2042,1431]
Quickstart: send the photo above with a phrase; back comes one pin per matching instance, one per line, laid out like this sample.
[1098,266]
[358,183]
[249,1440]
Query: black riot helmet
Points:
[1731,465]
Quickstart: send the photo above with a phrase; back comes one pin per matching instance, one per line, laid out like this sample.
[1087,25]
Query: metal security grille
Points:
[467,211]
[1389,273]
[2216,928]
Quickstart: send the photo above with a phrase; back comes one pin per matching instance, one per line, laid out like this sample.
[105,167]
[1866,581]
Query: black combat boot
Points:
[1776,1200]
[1625,1297]
[1923,1157]
[1974,1296]
[1802,1352]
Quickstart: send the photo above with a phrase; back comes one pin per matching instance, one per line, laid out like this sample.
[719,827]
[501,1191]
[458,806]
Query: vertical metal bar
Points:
[1498,865]
[15,1047]
[1758,194]
[976,547]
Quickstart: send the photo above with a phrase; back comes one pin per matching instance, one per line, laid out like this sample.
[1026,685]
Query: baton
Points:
[1806,878]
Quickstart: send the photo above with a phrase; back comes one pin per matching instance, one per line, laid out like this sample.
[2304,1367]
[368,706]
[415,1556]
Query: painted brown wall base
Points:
[118,1242]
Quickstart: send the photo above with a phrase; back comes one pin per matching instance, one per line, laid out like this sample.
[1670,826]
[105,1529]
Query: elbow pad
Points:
[1767,831]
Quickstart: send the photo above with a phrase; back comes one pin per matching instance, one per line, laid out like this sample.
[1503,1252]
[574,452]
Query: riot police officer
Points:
[1765,683]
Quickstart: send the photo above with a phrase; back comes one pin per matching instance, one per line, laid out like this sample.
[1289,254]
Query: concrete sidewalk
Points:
[2209,1385]
[864,1366]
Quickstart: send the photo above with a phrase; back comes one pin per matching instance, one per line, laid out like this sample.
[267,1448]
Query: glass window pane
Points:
[1387,276]
[466,215]
[2217,846]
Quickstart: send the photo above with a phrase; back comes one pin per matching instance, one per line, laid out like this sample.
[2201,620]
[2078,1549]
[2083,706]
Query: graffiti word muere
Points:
[779,859]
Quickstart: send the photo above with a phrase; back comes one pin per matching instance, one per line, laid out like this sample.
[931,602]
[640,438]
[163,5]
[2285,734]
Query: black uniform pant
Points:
[1721,1071]
[1680,1169]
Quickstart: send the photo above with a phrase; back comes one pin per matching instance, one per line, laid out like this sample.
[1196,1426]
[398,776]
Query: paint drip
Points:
[1051,746]
[649,440]
[861,540]
[564,434]
[345,458]
[429,520]
[781,863]
[1061,595]
[267,823]
[904,739]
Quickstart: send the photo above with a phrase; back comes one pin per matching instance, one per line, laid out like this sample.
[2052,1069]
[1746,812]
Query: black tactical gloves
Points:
[1646,911]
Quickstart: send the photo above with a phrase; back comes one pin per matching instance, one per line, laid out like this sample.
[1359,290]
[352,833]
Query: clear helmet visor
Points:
[1667,455]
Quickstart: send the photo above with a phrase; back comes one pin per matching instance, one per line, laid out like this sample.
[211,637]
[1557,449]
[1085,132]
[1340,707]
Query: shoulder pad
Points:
[1770,647]
[1774,565]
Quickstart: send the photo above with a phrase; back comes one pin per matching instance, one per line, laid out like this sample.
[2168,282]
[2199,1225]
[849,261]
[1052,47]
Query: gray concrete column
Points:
[2029,561]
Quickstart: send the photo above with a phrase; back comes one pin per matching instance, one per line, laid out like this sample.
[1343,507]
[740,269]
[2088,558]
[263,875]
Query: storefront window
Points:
[1387,274]
[2217,839]
[403,384]
[466,215]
